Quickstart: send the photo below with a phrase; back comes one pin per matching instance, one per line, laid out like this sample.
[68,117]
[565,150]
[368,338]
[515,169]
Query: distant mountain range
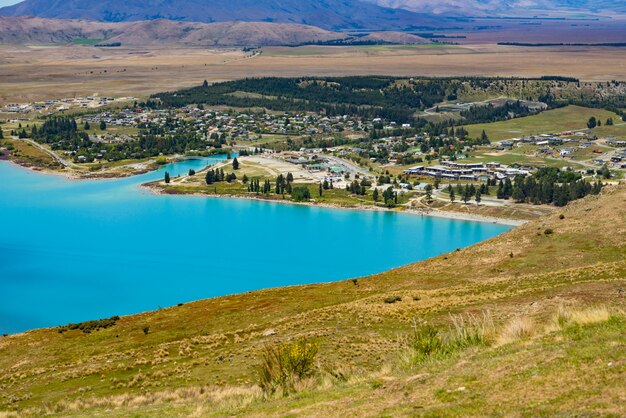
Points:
[34,30]
[507,8]
[326,14]
[262,22]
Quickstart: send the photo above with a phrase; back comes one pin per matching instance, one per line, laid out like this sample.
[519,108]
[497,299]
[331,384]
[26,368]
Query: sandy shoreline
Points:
[437,213]
[421,212]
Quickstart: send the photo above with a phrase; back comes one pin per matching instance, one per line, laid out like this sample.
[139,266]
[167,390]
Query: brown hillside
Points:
[32,30]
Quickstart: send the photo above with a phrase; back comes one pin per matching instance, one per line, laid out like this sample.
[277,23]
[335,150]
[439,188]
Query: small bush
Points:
[548,231]
[146,330]
[393,299]
[90,326]
[428,342]
[561,216]
[285,365]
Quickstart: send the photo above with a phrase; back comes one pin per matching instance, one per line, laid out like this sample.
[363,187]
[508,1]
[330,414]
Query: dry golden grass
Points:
[517,329]
[591,315]
[36,73]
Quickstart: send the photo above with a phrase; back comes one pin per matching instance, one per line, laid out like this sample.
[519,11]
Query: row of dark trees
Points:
[545,191]
[283,184]
[549,185]
[256,187]
[358,187]
[367,97]
[491,113]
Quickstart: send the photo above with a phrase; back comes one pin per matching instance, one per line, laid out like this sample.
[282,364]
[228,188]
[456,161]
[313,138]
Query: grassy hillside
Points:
[525,341]
[551,121]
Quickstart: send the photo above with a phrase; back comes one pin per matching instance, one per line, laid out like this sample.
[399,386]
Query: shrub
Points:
[393,299]
[161,160]
[425,342]
[301,194]
[146,330]
[548,231]
[89,326]
[428,342]
[561,216]
[283,366]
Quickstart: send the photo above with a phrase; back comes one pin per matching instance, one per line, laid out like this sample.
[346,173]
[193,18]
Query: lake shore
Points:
[437,213]
[71,174]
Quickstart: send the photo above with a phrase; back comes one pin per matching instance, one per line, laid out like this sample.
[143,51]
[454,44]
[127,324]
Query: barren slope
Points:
[28,30]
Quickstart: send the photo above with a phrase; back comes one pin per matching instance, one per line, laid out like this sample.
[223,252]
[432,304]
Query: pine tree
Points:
[518,194]
[478,197]
[167,177]
[235,164]
[429,192]
[210,177]
[508,188]
[466,196]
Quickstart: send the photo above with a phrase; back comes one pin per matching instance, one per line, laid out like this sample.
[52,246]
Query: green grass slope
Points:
[548,122]
[202,358]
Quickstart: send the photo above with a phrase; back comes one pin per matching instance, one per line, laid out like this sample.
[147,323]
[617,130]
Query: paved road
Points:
[49,152]
[349,166]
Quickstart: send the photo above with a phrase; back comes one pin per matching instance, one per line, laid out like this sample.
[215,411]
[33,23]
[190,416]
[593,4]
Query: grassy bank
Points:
[203,358]
[551,121]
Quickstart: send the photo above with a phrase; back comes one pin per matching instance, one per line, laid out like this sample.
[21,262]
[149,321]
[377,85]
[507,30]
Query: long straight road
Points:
[49,152]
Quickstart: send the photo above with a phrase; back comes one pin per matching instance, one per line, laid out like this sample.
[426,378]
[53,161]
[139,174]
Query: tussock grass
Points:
[222,399]
[567,316]
[428,342]
[287,367]
[516,329]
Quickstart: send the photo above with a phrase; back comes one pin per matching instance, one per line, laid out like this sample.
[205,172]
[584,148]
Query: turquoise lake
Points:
[77,250]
